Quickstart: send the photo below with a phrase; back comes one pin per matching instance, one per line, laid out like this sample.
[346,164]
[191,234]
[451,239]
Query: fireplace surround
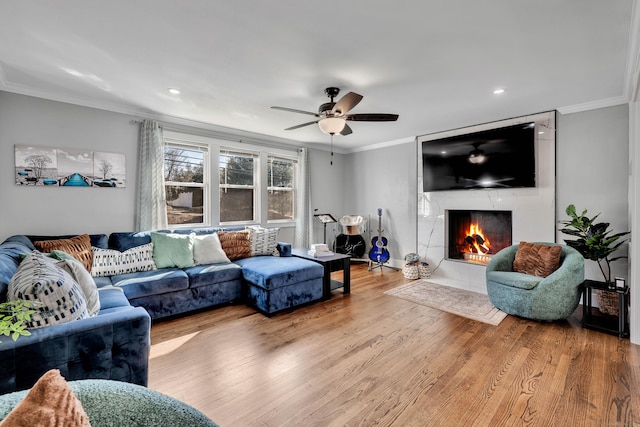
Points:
[533,216]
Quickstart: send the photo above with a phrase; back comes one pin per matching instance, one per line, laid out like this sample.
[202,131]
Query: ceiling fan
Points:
[332,116]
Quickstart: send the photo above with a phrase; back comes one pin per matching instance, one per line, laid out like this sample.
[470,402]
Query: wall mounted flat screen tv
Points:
[494,158]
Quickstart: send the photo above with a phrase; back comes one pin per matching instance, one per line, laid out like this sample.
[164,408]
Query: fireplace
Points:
[475,235]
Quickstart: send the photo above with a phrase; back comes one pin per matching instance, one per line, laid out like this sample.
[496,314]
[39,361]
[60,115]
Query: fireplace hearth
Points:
[474,236]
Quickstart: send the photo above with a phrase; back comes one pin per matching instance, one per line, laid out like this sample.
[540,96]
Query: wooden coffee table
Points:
[335,262]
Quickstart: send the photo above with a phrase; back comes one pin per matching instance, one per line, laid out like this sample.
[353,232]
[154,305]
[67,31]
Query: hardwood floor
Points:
[373,359]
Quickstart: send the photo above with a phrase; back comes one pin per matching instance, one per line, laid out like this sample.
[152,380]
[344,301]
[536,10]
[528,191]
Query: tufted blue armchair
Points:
[550,298]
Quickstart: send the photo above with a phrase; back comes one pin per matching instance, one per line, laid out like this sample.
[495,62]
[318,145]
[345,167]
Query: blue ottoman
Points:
[277,283]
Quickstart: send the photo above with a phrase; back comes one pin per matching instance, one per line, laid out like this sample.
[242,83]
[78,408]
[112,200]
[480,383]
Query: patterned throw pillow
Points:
[50,402]
[264,241]
[78,247]
[236,244]
[537,260]
[38,278]
[110,262]
[207,249]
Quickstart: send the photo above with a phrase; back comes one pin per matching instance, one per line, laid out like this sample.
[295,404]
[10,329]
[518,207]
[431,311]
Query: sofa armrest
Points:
[113,345]
[284,248]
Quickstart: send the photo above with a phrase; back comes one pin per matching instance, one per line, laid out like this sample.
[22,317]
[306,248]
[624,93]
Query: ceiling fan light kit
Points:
[332,125]
[332,116]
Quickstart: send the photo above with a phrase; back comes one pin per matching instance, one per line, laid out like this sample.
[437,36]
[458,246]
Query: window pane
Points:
[184,205]
[236,204]
[183,165]
[236,170]
[280,205]
[280,173]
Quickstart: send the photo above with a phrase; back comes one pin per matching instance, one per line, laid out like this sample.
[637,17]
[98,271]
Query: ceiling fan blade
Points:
[346,131]
[346,103]
[293,110]
[302,125]
[372,117]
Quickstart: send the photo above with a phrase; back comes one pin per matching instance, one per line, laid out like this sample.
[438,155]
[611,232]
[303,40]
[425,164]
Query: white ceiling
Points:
[435,63]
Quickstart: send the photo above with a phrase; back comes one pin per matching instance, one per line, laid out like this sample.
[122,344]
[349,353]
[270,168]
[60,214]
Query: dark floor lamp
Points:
[325,219]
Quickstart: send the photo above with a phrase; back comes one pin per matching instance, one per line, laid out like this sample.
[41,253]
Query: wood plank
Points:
[369,358]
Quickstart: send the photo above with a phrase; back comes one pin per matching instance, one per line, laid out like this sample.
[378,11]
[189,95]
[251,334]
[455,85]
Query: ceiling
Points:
[435,63]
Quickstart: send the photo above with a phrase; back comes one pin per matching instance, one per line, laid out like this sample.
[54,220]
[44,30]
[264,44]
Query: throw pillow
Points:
[111,262]
[264,241]
[50,402]
[172,250]
[236,244]
[78,247]
[537,260]
[86,282]
[207,249]
[39,279]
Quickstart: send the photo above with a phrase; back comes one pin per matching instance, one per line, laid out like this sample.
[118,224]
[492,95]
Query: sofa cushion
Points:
[207,249]
[78,247]
[111,262]
[145,283]
[50,402]
[112,296]
[172,250]
[236,244]
[202,275]
[12,252]
[38,278]
[276,272]
[535,259]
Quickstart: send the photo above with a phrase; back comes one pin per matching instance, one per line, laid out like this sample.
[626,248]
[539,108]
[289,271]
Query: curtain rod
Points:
[218,135]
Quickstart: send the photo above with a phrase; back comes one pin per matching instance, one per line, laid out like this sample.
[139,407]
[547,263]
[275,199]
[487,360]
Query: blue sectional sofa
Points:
[115,344]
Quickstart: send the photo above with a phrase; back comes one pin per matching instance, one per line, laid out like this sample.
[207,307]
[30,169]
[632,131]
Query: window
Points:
[280,188]
[238,176]
[186,181]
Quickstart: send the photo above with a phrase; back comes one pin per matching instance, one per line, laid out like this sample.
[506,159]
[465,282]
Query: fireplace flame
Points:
[477,241]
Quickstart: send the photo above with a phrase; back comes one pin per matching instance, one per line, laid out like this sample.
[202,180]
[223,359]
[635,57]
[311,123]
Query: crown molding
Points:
[593,105]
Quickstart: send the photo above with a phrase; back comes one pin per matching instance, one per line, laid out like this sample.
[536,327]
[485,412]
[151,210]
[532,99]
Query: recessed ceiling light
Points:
[173,91]
[499,91]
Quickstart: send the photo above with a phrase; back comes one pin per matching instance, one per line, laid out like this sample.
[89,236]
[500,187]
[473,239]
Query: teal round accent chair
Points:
[113,403]
[550,298]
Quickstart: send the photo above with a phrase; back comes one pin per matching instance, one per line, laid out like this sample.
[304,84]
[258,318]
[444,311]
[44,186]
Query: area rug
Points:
[471,305]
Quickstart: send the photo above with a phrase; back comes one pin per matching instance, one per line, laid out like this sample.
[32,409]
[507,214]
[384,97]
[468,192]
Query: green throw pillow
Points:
[172,250]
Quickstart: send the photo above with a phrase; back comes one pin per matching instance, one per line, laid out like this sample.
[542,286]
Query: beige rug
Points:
[468,304]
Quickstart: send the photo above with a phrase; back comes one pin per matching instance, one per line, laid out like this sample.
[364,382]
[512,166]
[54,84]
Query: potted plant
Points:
[13,318]
[595,242]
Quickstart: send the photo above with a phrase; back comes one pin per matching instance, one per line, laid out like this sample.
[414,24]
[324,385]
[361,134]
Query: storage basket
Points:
[411,271]
[608,302]
[424,270]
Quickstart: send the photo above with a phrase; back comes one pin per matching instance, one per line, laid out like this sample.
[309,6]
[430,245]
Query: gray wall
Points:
[593,171]
[33,121]
[386,178]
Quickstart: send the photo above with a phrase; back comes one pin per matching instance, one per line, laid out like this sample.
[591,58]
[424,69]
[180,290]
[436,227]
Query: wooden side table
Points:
[592,318]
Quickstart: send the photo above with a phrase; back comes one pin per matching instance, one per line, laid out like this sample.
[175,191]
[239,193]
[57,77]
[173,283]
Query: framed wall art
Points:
[61,167]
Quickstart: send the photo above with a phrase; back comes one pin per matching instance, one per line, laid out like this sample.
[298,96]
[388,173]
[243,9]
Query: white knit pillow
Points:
[208,250]
[110,262]
[38,278]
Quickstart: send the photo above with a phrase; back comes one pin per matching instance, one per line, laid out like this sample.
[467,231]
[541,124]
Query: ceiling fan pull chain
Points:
[331,150]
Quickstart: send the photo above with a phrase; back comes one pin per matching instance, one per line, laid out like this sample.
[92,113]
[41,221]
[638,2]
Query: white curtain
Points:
[152,204]
[304,222]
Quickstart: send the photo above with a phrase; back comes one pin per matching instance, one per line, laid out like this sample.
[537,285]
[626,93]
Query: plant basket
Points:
[608,302]
[410,271]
